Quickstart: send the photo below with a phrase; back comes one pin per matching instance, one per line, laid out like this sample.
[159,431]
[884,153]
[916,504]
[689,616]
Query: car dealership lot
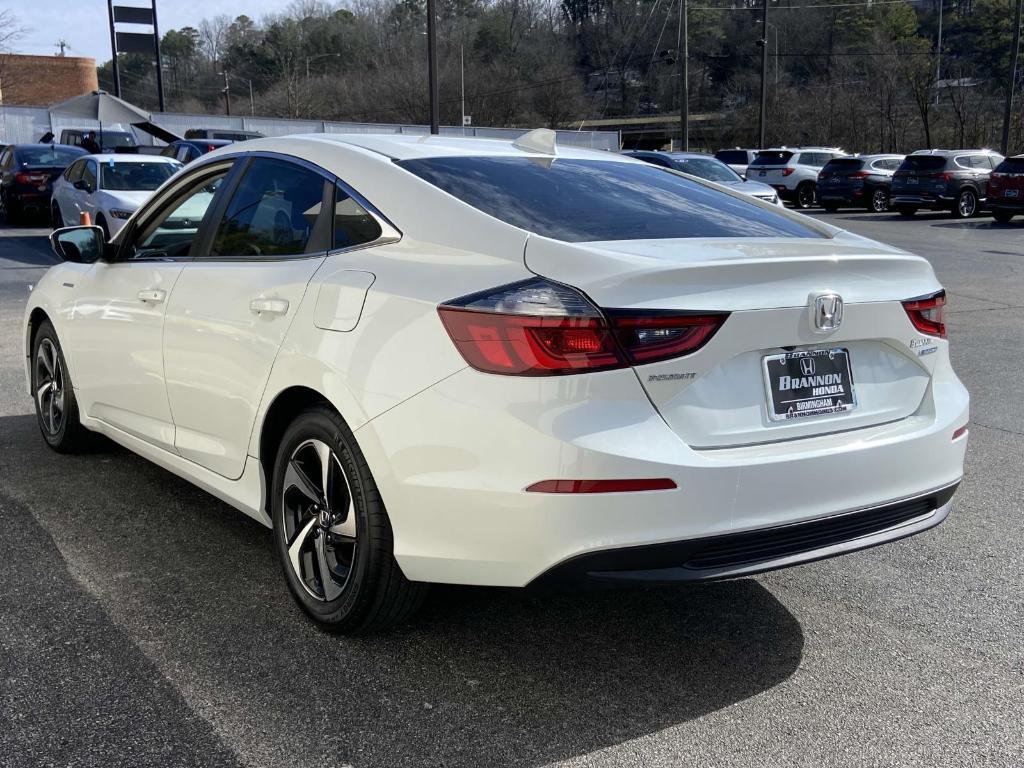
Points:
[145,623]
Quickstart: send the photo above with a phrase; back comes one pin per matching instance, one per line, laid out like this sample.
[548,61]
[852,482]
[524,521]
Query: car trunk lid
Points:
[719,395]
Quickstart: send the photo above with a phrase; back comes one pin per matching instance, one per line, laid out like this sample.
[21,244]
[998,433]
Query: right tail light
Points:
[927,314]
[540,328]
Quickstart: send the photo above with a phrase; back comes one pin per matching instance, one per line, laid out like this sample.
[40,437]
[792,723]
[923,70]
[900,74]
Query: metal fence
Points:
[27,124]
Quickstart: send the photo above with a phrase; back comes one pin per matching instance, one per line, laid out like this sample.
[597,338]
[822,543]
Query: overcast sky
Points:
[83,23]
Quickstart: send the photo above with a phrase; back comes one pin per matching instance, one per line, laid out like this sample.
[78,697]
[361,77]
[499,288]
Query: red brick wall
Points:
[39,81]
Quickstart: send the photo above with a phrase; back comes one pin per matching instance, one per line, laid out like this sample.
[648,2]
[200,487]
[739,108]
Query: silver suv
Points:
[793,171]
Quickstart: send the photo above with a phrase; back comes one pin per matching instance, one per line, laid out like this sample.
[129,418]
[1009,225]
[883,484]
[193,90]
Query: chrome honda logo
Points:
[827,311]
[807,366]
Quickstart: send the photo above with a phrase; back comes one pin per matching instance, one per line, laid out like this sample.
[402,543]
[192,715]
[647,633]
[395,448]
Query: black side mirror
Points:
[83,185]
[82,245]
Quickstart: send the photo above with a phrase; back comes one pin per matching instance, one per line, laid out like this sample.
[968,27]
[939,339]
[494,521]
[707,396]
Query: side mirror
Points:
[82,245]
[83,185]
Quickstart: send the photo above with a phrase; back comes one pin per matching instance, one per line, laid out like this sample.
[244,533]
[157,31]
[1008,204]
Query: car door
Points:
[117,320]
[64,192]
[85,199]
[233,305]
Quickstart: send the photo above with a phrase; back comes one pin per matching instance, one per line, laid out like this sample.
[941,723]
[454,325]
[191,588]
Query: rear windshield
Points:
[48,156]
[732,156]
[843,166]
[706,168]
[772,158]
[587,200]
[1011,165]
[138,177]
[923,163]
[111,139]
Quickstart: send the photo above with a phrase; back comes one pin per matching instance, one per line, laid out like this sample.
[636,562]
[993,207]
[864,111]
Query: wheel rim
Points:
[319,520]
[967,204]
[49,387]
[806,197]
[879,201]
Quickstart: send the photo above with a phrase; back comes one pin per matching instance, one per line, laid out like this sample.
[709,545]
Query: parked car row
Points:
[961,181]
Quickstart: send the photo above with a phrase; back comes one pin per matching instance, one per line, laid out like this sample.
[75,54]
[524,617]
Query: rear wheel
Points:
[878,200]
[966,204]
[806,195]
[56,407]
[830,207]
[56,218]
[906,210]
[13,211]
[332,532]
[1003,217]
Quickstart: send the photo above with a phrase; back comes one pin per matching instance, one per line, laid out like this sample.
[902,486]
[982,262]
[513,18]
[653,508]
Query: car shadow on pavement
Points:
[480,677]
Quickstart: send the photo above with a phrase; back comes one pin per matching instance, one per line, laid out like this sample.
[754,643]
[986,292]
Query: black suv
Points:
[954,180]
[857,182]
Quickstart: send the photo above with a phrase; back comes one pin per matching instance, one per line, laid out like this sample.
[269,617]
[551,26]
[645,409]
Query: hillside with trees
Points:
[863,75]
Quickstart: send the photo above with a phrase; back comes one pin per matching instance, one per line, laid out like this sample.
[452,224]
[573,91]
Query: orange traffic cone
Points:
[84,219]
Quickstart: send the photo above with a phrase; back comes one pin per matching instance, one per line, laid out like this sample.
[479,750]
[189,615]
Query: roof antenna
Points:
[539,140]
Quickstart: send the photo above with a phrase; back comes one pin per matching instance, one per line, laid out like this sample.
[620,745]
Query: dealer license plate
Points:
[1011,193]
[810,382]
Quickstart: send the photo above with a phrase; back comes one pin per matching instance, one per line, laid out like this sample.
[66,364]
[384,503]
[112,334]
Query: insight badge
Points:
[921,345]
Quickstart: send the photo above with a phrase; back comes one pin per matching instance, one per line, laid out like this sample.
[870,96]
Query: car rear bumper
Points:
[921,200]
[452,465]
[757,551]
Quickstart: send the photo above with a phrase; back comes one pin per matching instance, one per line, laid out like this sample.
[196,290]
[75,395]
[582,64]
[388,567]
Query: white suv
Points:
[793,172]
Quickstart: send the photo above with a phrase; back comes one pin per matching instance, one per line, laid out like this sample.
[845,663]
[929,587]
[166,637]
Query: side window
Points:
[272,212]
[183,154]
[353,225]
[89,173]
[74,138]
[168,151]
[963,161]
[171,233]
[74,172]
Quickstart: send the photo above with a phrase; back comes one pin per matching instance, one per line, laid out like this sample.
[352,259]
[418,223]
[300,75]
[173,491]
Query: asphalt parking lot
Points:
[144,623]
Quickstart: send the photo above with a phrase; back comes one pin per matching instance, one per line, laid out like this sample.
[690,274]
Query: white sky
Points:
[83,23]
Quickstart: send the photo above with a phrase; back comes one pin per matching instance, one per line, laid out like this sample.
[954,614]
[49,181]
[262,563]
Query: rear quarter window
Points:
[592,200]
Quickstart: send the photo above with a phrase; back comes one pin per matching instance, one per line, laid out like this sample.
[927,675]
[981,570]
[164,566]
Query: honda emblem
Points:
[826,311]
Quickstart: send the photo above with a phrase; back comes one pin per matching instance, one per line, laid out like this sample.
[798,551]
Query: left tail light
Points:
[540,328]
[787,171]
[927,314]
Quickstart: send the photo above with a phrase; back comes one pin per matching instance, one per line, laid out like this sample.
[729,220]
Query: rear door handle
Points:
[269,306]
[154,295]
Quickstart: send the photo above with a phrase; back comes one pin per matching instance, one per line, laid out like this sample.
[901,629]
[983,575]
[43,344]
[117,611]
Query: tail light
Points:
[540,328]
[787,171]
[946,176]
[860,175]
[927,314]
[21,177]
[210,147]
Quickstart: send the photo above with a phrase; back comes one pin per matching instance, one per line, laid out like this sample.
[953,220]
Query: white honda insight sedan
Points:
[495,363]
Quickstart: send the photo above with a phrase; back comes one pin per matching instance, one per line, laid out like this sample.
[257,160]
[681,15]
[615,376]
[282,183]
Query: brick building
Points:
[39,81]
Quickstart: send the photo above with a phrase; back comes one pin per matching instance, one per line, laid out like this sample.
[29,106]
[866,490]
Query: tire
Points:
[102,224]
[56,218]
[906,210]
[56,406]
[878,200]
[13,212]
[966,206]
[806,195]
[830,207]
[343,528]
[1003,217]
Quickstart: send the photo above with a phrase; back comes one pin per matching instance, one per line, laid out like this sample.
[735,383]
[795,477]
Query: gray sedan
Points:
[707,167]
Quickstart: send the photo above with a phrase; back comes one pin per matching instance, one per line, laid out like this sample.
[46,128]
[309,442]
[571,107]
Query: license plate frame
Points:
[1011,193]
[828,397]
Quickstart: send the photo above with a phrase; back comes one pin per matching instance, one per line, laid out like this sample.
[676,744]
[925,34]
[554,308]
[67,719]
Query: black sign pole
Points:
[159,66]
[113,50]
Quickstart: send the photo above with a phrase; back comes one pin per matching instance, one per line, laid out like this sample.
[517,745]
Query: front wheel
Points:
[830,207]
[878,201]
[966,204]
[806,195]
[56,218]
[332,533]
[56,407]
[906,210]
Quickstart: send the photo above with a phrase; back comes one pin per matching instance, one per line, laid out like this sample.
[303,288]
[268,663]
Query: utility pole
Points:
[159,64]
[1014,55]
[113,50]
[227,94]
[462,83]
[938,55]
[435,114]
[683,50]
[763,42]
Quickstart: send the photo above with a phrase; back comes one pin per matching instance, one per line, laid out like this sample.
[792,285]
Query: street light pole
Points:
[113,50]
[1014,56]
[435,109]
[763,42]
[462,83]
[683,48]
[159,65]
[227,94]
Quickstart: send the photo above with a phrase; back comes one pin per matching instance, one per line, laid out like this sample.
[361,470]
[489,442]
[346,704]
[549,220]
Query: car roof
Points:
[108,157]
[16,147]
[948,152]
[411,147]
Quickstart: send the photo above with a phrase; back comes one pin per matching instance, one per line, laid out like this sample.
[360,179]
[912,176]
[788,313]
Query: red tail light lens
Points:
[210,147]
[787,171]
[29,178]
[927,314]
[946,176]
[860,175]
[539,328]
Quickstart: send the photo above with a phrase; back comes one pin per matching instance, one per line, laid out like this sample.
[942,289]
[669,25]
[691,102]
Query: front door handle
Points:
[153,295]
[269,306]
